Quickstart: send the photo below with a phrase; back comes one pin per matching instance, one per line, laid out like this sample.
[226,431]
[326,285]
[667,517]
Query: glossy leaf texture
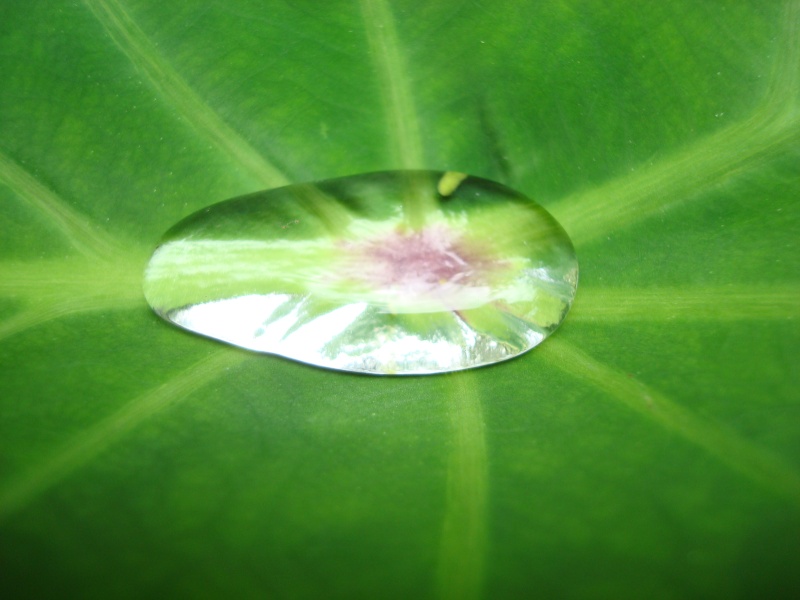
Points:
[650,448]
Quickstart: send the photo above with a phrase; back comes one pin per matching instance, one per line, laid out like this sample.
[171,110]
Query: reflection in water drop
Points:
[397,272]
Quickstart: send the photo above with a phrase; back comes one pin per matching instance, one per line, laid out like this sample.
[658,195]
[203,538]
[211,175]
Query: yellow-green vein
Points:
[42,313]
[398,101]
[759,465]
[463,544]
[772,129]
[46,281]
[783,92]
[656,188]
[134,43]
[85,446]
[729,302]
[77,229]
[52,289]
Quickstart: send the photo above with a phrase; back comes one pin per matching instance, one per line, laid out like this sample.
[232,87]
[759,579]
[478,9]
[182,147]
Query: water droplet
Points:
[376,273]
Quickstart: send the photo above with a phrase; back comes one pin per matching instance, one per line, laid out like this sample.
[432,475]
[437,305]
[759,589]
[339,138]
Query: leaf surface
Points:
[650,448]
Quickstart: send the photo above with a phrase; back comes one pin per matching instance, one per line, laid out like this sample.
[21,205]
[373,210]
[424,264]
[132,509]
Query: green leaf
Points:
[649,449]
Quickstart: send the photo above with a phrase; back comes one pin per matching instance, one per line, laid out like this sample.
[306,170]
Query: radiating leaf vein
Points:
[772,129]
[654,189]
[134,43]
[703,303]
[51,289]
[463,546]
[757,464]
[77,229]
[401,116]
[85,446]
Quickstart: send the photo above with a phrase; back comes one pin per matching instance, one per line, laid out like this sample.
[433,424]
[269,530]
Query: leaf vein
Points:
[134,43]
[77,229]
[462,548]
[85,446]
[719,303]
[773,128]
[400,113]
[744,457]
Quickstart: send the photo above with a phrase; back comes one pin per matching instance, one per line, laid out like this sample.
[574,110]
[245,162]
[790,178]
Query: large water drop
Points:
[396,272]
